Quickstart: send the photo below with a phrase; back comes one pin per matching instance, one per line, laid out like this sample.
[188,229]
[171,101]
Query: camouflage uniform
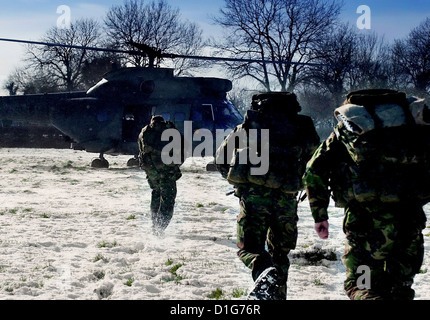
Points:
[161,177]
[268,214]
[384,236]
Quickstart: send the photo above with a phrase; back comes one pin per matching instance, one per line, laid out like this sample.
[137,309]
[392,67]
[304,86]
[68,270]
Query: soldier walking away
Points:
[268,200]
[161,177]
[376,165]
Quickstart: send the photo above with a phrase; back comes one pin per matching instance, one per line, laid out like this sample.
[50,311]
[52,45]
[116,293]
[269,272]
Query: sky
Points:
[30,19]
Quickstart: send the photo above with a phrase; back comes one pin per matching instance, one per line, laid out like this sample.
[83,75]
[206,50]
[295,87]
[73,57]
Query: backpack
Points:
[387,138]
[292,139]
[151,147]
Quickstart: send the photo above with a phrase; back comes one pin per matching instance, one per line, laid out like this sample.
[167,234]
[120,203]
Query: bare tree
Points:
[350,61]
[11,87]
[272,31]
[54,69]
[412,56]
[64,65]
[317,103]
[336,55]
[156,25]
[370,64]
[241,98]
[29,81]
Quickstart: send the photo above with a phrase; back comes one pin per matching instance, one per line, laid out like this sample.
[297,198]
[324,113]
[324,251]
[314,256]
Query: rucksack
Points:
[151,147]
[292,139]
[387,137]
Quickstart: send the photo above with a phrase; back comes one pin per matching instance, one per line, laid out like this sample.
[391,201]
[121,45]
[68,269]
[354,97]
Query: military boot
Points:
[268,286]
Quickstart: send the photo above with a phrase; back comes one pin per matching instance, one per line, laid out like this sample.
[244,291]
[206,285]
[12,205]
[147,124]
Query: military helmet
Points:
[157,118]
[283,102]
[157,123]
[376,97]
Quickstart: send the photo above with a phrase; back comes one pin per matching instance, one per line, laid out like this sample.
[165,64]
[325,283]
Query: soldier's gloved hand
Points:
[322,229]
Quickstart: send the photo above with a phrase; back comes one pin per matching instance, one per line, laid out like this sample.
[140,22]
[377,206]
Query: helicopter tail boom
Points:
[34,109]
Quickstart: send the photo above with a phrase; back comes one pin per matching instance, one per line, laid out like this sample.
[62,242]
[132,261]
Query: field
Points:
[71,232]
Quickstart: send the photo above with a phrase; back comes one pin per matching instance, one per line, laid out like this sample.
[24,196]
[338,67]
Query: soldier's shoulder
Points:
[305,120]
[145,129]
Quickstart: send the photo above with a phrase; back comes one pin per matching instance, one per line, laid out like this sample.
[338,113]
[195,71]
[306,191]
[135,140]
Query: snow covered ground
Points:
[68,231]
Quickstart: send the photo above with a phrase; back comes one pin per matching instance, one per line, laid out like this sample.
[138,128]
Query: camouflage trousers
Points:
[267,217]
[384,250]
[163,198]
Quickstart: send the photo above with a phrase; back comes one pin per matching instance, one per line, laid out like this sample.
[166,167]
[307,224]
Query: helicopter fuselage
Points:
[108,118]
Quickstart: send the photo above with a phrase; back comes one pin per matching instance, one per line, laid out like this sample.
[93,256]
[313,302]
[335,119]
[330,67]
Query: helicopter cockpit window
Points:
[227,110]
[166,116]
[203,112]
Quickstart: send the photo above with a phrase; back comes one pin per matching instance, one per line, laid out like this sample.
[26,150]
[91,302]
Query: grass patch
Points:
[175,268]
[173,271]
[318,282]
[105,244]
[216,294]
[237,293]
[129,282]
[100,257]
[68,164]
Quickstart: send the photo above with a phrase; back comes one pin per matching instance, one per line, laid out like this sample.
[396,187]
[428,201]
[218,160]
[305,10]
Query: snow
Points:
[71,232]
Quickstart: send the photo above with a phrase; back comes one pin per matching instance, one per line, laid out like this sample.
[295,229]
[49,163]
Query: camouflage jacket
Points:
[150,154]
[379,182]
[318,175]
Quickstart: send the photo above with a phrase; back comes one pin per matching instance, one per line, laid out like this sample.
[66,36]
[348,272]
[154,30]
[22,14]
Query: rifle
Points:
[229,193]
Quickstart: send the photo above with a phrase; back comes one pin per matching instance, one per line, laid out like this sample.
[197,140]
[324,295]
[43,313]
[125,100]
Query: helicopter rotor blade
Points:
[156,53]
[73,46]
[179,56]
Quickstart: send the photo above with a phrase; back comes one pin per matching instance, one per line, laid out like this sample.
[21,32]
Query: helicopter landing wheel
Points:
[100,163]
[133,162]
[211,166]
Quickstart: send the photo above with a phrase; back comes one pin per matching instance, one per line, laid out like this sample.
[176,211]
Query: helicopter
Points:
[108,117]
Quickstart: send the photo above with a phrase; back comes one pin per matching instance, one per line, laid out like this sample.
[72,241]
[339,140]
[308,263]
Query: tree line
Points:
[302,46]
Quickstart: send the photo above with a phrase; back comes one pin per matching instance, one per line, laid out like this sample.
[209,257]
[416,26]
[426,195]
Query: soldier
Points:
[268,200]
[375,165]
[161,177]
